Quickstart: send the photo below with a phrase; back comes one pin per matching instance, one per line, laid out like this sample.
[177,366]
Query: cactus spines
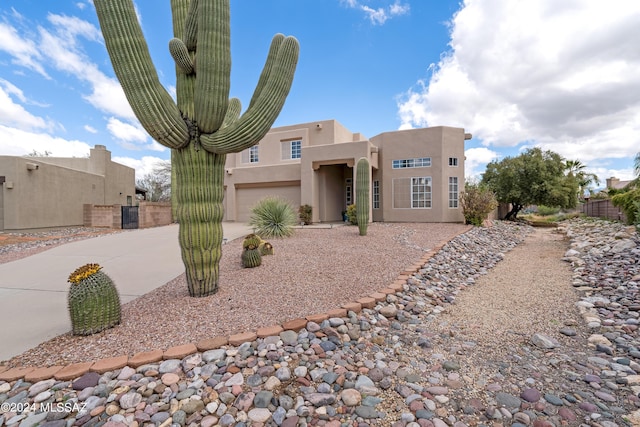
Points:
[204,124]
[93,301]
[362,194]
[251,257]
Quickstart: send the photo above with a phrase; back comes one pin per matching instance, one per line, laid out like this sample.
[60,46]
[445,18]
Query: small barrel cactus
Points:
[251,257]
[251,240]
[266,248]
[94,303]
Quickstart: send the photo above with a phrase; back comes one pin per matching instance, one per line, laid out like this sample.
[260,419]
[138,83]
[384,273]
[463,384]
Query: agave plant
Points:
[273,217]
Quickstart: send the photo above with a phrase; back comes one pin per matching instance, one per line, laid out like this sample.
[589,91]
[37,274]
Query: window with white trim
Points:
[291,149]
[421,192]
[376,194]
[453,161]
[418,162]
[250,155]
[453,191]
[348,191]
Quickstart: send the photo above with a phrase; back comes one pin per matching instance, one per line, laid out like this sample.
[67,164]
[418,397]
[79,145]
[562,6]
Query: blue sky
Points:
[564,76]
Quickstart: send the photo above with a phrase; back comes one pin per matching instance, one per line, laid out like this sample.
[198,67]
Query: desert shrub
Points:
[305,214]
[477,202]
[352,216]
[273,217]
[547,210]
[629,202]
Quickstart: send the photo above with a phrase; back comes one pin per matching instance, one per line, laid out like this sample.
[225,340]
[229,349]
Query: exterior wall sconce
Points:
[32,166]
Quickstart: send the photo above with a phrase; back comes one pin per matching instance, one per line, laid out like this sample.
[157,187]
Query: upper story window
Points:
[291,149]
[453,161]
[250,155]
[418,162]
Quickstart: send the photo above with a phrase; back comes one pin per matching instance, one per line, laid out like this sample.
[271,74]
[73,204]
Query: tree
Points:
[533,177]
[157,183]
[203,125]
[35,153]
[576,169]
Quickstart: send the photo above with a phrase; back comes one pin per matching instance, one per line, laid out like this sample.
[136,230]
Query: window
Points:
[421,192]
[250,155]
[418,162]
[453,191]
[348,192]
[453,161]
[376,194]
[291,150]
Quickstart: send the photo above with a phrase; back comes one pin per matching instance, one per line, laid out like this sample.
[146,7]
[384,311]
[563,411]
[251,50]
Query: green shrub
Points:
[629,202]
[547,210]
[305,213]
[477,202]
[352,215]
[273,217]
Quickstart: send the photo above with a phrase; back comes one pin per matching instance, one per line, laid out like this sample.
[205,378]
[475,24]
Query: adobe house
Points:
[416,174]
[44,192]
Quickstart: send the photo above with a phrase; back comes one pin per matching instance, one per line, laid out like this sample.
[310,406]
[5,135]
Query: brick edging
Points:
[75,370]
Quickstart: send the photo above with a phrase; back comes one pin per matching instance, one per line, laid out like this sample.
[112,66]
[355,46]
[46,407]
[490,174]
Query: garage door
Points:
[247,197]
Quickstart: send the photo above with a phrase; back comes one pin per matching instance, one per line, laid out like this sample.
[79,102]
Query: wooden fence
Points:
[603,209]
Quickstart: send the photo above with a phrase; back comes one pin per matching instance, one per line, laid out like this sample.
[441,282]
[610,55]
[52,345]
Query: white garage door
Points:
[246,198]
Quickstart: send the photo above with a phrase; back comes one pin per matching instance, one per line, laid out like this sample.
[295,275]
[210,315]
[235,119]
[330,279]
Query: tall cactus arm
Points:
[213,62]
[233,112]
[254,124]
[131,61]
[191,26]
[276,42]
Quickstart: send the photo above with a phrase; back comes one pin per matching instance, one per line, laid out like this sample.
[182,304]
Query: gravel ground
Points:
[314,271]
[15,246]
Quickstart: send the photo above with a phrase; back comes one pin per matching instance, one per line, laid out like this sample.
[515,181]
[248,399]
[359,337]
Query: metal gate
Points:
[129,217]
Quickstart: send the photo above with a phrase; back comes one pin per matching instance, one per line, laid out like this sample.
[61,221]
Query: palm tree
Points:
[576,169]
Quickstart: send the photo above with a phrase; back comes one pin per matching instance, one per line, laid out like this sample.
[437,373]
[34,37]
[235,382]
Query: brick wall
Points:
[154,214]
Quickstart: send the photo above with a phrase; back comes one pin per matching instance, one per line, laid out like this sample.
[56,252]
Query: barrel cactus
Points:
[203,125]
[251,240]
[363,182]
[266,248]
[251,257]
[94,303]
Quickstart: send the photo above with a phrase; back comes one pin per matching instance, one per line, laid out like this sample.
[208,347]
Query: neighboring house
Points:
[616,184]
[416,174]
[42,192]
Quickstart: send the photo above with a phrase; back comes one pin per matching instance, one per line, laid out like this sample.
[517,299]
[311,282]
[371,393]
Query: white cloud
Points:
[126,132]
[14,114]
[17,142]
[143,166]
[90,129]
[379,15]
[24,51]
[476,159]
[565,77]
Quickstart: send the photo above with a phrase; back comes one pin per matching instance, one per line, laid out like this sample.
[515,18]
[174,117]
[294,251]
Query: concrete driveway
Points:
[33,290]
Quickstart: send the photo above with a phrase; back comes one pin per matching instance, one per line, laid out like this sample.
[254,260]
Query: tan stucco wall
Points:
[438,143]
[54,195]
[329,152]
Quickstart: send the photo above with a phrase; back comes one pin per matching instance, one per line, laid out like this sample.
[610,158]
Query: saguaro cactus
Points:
[363,182]
[204,125]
